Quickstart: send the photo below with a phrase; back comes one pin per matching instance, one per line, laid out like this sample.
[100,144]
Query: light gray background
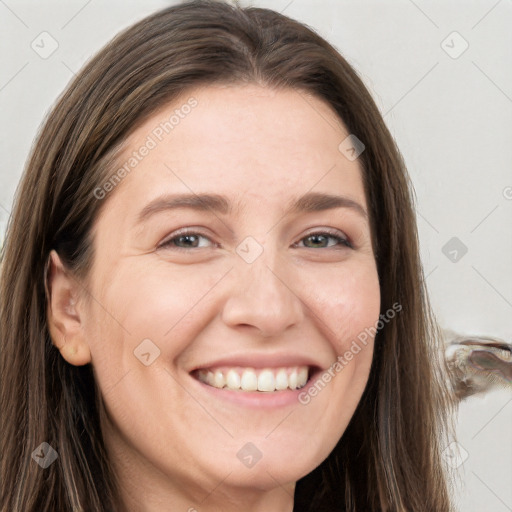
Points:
[450,116]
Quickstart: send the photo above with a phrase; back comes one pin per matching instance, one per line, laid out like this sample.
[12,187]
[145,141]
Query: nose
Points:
[263,298]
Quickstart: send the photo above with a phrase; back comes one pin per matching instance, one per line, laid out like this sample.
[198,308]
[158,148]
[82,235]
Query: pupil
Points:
[317,239]
[188,238]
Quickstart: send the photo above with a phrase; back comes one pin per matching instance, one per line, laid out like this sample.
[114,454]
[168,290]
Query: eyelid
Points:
[183,232]
[343,239]
[331,232]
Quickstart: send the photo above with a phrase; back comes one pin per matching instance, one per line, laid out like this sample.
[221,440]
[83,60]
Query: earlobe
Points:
[65,323]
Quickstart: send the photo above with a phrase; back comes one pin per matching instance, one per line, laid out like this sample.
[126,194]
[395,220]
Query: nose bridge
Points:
[263,295]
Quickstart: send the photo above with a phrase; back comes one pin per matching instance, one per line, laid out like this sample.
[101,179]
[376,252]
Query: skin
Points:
[173,446]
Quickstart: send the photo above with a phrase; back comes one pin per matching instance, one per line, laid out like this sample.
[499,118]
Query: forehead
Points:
[247,142]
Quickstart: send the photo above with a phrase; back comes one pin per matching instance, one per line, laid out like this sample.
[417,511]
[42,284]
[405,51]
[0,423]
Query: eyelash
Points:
[327,233]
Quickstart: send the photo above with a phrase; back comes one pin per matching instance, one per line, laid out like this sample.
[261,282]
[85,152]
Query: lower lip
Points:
[257,399]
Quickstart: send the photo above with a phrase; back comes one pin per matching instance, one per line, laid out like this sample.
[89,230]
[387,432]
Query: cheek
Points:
[169,307]
[345,300]
[345,305]
[150,303]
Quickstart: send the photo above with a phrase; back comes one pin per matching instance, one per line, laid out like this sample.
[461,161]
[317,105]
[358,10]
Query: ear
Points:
[63,313]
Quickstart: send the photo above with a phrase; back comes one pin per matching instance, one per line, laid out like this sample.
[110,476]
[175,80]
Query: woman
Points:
[211,292]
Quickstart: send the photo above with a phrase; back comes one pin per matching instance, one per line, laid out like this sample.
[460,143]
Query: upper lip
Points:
[259,360]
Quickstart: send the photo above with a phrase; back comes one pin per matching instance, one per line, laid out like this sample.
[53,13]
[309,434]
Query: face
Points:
[235,252]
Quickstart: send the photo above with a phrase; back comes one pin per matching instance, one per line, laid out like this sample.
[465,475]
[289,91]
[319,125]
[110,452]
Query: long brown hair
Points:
[389,458]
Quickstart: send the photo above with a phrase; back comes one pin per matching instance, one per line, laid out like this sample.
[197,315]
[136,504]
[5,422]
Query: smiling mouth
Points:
[251,379]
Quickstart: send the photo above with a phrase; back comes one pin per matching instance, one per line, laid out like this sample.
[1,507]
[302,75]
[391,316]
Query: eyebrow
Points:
[310,202]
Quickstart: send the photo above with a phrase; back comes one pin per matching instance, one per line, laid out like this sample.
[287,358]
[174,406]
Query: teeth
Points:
[219,381]
[292,380]
[232,380]
[282,379]
[266,381]
[249,379]
[302,377]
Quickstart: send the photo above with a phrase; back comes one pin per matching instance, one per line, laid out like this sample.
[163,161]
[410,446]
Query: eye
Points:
[188,239]
[320,240]
[185,239]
